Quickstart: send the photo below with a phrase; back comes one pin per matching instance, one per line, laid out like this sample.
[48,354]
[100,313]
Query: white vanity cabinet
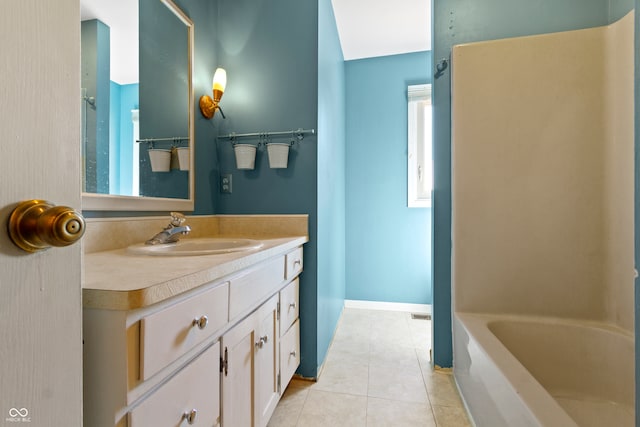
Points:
[219,354]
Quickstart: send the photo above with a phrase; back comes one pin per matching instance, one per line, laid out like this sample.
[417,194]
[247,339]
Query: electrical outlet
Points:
[225,183]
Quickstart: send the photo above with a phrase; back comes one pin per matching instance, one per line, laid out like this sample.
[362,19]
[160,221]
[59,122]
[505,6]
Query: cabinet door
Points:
[238,347]
[267,361]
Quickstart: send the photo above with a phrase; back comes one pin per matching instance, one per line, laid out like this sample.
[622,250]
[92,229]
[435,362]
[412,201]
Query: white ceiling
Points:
[370,28]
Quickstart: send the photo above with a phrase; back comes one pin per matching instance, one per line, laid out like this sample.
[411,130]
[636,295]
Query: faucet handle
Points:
[177,219]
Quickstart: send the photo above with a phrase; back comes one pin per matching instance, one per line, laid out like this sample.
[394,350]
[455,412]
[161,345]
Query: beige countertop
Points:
[117,280]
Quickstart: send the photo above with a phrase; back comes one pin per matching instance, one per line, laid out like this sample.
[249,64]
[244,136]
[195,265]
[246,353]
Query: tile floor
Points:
[377,373]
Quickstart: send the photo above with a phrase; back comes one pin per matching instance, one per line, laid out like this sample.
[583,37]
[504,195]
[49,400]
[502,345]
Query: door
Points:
[636,213]
[250,375]
[238,348]
[40,294]
[267,362]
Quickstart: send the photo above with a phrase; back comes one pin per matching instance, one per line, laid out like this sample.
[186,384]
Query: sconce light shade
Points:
[219,80]
[208,105]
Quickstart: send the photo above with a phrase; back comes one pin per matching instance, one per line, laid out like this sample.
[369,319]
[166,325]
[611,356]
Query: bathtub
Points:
[535,371]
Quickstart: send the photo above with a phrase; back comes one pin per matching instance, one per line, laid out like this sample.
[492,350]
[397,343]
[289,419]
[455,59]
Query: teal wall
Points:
[619,8]
[128,101]
[124,98]
[331,177]
[460,21]
[388,244]
[164,80]
[95,71]
[270,52]
[204,14]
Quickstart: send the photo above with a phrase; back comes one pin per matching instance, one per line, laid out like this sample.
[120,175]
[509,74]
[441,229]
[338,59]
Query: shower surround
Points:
[542,227]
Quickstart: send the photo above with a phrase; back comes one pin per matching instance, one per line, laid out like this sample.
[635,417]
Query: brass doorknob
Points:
[35,225]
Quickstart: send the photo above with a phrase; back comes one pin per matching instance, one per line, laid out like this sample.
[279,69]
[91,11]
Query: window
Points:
[420,166]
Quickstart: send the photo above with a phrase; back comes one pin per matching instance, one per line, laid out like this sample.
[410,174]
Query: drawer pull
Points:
[297,262]
[202,322]
[292,305]
[190,416]
[293,353]
[263,340]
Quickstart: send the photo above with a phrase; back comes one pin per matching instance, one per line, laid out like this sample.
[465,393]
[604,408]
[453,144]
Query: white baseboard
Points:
[390,306]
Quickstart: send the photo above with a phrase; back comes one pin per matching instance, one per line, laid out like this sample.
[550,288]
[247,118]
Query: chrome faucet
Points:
[171,233]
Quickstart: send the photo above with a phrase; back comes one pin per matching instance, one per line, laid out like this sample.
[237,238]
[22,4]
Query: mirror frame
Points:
[111,202]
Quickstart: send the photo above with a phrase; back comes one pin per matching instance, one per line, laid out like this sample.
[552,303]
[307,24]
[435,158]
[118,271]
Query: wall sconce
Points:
[209,106]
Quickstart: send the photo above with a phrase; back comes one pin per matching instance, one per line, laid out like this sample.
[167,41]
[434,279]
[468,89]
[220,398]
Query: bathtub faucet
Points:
[171,233]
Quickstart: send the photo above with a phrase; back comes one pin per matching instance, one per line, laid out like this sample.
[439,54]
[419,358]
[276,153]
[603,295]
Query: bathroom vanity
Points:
[209,340]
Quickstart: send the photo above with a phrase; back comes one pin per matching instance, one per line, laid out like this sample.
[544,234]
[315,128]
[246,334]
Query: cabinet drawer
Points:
[289,310]
[294,263]
[169,333]
[247,290]
[289,354]
[194,390]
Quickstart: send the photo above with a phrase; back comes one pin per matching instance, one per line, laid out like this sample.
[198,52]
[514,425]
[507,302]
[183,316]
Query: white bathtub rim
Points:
[539,403]
[553,320]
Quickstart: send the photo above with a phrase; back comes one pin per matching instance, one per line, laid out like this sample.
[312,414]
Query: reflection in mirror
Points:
[136,103]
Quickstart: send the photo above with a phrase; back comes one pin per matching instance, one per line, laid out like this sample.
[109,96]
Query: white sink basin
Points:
[203,246]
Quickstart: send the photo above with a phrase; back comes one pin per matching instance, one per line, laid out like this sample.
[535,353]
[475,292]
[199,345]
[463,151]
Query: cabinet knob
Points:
[202,322]
[190,416]
[262,341]
[297,262]
[293,353]
[293,305]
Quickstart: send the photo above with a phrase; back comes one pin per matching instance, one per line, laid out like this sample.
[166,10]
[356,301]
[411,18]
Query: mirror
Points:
[136,105]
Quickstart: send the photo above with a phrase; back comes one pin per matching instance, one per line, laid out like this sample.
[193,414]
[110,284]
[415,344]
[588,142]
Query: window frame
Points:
[419,146]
